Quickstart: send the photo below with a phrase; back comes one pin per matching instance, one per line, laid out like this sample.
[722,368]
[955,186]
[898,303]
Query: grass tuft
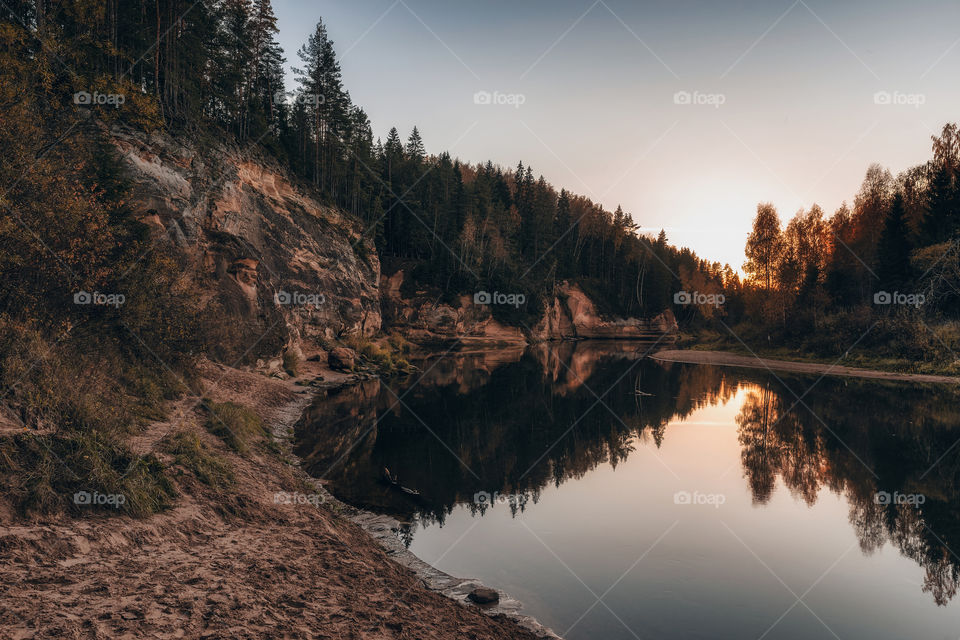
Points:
[235,424]
[208,467]
[49,474]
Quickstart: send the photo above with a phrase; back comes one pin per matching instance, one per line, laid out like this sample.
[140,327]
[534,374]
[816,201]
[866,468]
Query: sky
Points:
[688,113]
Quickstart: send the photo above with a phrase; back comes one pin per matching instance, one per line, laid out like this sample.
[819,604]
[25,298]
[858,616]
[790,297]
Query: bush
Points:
[386,361]
[291,363]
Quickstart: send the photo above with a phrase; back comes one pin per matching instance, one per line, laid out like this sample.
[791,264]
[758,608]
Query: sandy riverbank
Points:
[229,562]
[724,359]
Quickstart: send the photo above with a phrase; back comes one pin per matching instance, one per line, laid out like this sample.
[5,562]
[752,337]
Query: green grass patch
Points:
[387,360]
[79,472]
[238,426]
[209,468]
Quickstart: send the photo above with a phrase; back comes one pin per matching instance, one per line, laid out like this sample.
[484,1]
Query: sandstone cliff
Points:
[279,266]
[569,315]
[572,314]
[422,317]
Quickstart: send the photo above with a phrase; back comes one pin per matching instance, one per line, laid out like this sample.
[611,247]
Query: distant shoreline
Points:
[725,359]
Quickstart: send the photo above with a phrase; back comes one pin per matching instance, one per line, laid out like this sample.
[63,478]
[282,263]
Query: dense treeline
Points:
[889,262]
[216,63]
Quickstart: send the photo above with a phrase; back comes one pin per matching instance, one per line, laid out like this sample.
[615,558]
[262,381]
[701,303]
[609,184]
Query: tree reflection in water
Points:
[518,421]
[885,438]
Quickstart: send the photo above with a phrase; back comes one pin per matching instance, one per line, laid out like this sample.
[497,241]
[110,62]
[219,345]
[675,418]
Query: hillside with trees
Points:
[881,276]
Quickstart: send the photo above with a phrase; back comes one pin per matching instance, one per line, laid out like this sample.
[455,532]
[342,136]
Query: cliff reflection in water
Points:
[513,422]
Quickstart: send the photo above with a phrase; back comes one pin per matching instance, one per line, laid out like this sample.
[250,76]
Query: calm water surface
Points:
[622,498]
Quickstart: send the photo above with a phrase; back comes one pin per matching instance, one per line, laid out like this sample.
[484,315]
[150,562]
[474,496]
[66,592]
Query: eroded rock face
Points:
[268,256]
[572,314]
[424,318]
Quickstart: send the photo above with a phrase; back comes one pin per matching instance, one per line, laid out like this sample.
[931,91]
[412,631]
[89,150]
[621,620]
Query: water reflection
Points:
[514,422]
[871,443]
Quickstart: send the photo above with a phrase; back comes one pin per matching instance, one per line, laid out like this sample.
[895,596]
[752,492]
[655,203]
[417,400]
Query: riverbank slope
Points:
[257,553]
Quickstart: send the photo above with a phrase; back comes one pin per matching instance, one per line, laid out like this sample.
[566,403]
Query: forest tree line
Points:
[892,258]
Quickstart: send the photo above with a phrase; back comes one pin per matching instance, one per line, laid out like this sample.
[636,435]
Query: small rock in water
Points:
[483,595]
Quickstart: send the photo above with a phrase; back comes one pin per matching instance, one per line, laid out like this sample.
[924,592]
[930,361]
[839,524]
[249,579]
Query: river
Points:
[618,497]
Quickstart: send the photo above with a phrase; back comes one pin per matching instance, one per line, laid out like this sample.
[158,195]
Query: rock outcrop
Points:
[341,359]
[277,265]
[422,317]
[571,314]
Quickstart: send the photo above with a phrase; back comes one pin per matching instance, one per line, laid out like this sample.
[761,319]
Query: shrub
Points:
[385,360]
[291,363]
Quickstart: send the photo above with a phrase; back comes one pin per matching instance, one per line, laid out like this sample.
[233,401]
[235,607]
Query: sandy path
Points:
[724,359]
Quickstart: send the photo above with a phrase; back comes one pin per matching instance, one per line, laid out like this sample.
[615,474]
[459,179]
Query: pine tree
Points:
[321,88]
[231,83]
[943,208]
[393,152]
[894,248]
[265,74]
[415,149]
